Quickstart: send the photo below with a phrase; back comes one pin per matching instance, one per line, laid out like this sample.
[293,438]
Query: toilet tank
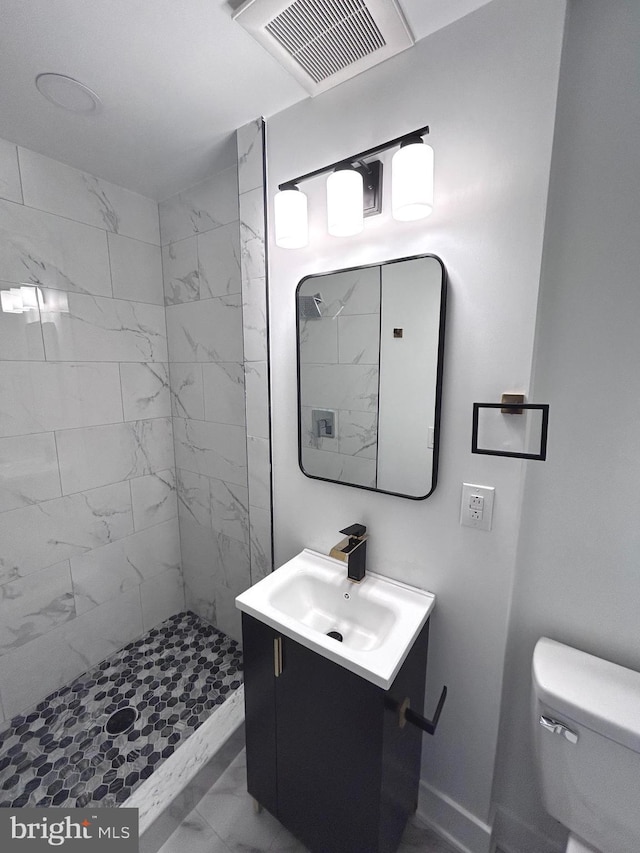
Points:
[588,746]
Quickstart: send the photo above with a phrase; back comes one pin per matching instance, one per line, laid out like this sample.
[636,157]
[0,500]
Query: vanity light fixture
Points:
[412,180]
[354,190]
[291,224]
[345,201]
[19,300]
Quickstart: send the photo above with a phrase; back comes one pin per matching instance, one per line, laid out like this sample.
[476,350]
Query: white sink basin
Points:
[310,596]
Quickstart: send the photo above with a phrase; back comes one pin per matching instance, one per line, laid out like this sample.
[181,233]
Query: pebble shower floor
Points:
[60,754]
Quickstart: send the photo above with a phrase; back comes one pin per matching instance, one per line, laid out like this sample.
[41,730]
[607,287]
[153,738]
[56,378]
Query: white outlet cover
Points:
[469,514]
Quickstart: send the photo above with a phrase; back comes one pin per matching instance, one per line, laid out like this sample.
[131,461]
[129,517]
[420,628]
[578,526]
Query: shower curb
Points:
[173,790]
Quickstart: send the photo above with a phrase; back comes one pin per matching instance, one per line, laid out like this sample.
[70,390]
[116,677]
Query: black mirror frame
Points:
[439,375]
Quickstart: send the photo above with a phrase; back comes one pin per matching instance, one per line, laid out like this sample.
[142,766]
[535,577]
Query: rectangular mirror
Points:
[370,346]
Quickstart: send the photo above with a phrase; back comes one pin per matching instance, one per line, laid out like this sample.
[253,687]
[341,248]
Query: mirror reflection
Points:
[370,343]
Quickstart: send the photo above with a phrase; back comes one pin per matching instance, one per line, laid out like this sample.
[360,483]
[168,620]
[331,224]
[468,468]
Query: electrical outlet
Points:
[476,506]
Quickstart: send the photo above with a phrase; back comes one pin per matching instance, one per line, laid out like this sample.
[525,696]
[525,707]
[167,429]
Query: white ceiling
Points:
[176,77]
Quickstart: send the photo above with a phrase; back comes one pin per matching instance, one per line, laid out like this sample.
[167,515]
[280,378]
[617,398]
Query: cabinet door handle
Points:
[277,656]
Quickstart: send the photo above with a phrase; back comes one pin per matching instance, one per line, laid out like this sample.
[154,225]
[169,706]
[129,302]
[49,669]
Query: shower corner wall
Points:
[215,296]
[89,546]
[121,391]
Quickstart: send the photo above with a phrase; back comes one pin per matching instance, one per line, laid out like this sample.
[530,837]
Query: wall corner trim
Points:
[453,822]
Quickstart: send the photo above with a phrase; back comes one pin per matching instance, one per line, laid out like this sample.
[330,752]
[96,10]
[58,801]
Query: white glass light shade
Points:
[290,214]
[412,182]
[345,205]
[11,301]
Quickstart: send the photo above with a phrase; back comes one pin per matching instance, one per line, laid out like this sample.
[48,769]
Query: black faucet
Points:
[353,551]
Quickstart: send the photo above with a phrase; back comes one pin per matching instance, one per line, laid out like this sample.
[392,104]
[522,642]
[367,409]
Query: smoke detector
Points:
[324,42]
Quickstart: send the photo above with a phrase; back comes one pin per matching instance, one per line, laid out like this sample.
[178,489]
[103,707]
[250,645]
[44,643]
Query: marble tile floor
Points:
[224,821]
[168,681]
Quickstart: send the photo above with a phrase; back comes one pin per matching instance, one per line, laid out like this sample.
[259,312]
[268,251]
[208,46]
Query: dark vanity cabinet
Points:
[325,751]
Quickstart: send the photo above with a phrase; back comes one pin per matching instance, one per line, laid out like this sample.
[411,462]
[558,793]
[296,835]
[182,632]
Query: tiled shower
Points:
[134,426]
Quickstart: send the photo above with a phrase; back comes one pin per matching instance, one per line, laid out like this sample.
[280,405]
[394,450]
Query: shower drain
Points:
[121,721]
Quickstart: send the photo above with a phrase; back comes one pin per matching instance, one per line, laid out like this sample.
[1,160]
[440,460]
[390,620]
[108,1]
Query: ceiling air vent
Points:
[325,42]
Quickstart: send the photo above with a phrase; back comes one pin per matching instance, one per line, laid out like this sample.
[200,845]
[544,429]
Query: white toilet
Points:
[587,735]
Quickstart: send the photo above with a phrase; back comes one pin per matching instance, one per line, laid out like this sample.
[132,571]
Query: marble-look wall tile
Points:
[44,396]
[358,434]
[200,208]
[212,562]
[322,463]
[250,165]
[250,144]
[30,607]
[28,470]
[21,334]
[231,563]
[194,497]
[10,187]
[94,456]
[224,392]
[252,233]
[187,395]
[161,597]
[219,261]
[91,328]
[230,509]
[57,188]
[39,248]
[180,271]
[319,340]
[257,383]
[340,386]
[201,602]
[228,618]
[104,573]
[216,450]
[254,319]
[259,472]
[261,561]
[37,536]
[208,330]
[336,466]
[145,390]
[352,292]
[154,498]
[196,549]
[136,270]
[357,470]
[359,339]
[75,647]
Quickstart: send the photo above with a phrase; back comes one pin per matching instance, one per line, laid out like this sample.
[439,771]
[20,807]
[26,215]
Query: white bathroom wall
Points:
[487,86]
[577,577]
[89,548]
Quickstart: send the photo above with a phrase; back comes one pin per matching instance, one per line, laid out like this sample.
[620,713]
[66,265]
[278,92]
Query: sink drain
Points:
[336,635]
[121,721]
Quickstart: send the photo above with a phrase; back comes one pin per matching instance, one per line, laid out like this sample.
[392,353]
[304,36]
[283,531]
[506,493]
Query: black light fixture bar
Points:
[422,131]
